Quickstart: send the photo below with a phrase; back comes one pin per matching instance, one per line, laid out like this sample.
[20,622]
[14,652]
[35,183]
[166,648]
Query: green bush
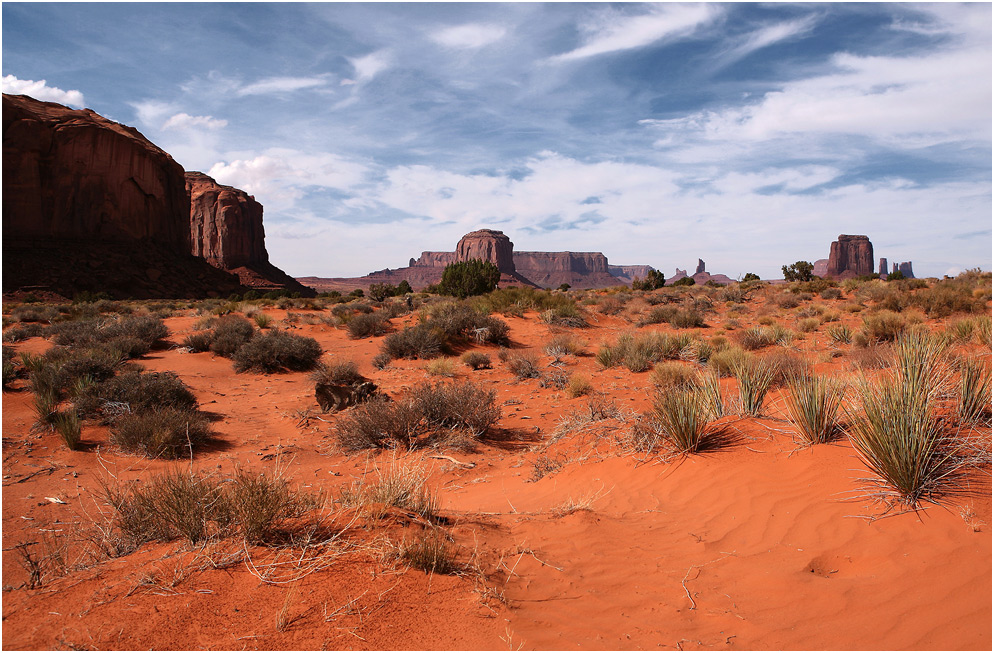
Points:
[231,333]
[476,360]
[684,281]
[799,271]
[654,279]
[468,278]
[420,341]
[277,351]
[368,325]
[135,392]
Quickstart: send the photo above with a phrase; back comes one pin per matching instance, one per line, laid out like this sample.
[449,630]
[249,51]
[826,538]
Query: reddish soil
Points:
[575,541]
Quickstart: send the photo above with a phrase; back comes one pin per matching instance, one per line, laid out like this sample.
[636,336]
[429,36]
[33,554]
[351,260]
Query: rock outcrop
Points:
[850,256]
[700,276]
[488,245]
[626,274]
[905,269]
[553,269]
[226,230]
[700,266]
[92,205]
[883,267]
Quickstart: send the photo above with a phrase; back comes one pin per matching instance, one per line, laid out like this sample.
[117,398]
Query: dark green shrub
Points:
[231,333]
[467,278]
[199,342]
[800,271]
[160,432]
[749,276]
[685,281]
[277,351]
[10,368]
[476,360]
[23,332]
[653,280]
[135,392]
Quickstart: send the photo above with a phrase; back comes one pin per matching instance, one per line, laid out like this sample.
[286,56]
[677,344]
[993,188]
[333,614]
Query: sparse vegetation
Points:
[813,405]
[277,351]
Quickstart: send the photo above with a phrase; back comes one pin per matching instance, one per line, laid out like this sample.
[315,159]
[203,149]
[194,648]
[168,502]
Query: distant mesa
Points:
[701,276]
[92,205]
[580,270]
[852,256]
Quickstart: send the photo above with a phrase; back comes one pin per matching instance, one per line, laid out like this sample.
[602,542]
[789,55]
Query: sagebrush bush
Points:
[564,344]
[199,342]
[135,392]
[277,351]
[231,333]
[160,432]
[523,366]
[884,325]
[687,318]
[342,372]
[367,325]
[566,315]
[420,341]
[22,332]
[476,360]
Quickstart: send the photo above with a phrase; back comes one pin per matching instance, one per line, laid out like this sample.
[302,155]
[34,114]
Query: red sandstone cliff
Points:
[578,269]
[226,230]
[850,256]
[90,204]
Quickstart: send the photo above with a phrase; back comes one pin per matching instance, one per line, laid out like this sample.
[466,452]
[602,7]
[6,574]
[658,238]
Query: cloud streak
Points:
[40,90]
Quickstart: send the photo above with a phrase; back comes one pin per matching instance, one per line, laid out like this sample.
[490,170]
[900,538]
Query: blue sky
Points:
[749,135]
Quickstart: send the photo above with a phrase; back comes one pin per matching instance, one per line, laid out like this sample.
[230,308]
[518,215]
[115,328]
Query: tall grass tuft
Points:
[755,377]
[684,417]
[69,427]
[975,393]
[813,406]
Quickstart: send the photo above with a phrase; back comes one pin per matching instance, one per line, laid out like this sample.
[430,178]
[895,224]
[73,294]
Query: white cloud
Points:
[40,90]
[279,176]
[280,85]
[186,121]
[152,113]
[469,36]
[611,31]
[368,67]
[767,36]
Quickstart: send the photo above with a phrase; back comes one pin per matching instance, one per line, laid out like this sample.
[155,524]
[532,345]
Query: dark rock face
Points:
[487,245]
[74,174]
[905,269]
[92,205]
[883,267]
[628,273]
[850,256]
[225,223]
[700,266]
[226,230]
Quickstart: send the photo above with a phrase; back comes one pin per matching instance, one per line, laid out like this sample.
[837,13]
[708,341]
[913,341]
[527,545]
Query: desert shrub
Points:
[381,361]
[199,341]
[262,320]
[342,372]
[476,360]
[61,368]
[22,332]
[787,300]
[799,271]
[566,315]
[687,318]
[984,330]
[756,377]
[974,405]
[277,351]
[564,345]
[839,333]
[808,325]
[961,330]
[458,320]
[610,306]
[682,419]
[431,552]
[724,362]
[658,315]
[429,415]
[160,432]
[149,329]
[884,325]
[259,503]
[135,392]
[578,386]
[948,297]
[755,338]
[523,366]
[831,293]
[231,333]
[786,364]
[77,333]
[813,405]
[69,427]
[668,375]
[467,278]
[684,281]
[420,341]
[367,325]
[404,487]
[34,314]
[440,367]
[10,371]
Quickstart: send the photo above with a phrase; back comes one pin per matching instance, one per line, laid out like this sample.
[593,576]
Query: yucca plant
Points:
[813,406]
[710,390]
[983,331]
[840,333]
[755,377]
[921,362]
[684,416]
[69,427]
[900,440]
[975,393]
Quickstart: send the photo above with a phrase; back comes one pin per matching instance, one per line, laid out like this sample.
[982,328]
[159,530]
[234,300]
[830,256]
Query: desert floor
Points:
[566,538]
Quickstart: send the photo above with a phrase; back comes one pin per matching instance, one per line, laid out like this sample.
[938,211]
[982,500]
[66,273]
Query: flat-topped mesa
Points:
[850,256]
[487,245]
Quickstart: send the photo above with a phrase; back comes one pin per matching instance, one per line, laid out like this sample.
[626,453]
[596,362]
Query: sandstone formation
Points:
[92,205]
[226,230]
[905,269]
[850,256]
[538,269]
[883,267]
[700,276]
[626,274]
[700,266]
[820,268]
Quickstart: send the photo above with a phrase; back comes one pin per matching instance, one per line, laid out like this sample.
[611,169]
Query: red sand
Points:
[762,545]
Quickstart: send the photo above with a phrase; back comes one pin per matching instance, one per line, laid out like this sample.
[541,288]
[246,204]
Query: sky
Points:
[748,135]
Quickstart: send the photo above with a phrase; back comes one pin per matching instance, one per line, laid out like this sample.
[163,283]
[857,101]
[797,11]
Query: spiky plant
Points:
[813,406]
[710,389]
[755,377]
[974,393]
[684,416]
[69,427]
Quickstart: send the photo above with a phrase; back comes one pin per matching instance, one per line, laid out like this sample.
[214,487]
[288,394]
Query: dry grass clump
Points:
[476,360]
[885,326]
[428,415]
[566,315]
[756,377]
[579,385]
[399,486]
[564,344]
[639,351]
[522,366]
[807,325]
[898,433]
[670,374]
[69,427]
[441,367]
[197,506]
[367,325]
[339,372]
[725,361]
[164,432]
[420,341]
[813,405]
[431,552]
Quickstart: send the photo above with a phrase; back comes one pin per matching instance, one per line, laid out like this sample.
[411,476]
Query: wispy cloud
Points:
[612,31]
[273,85]
[767,36]
[371,65]
[40,90]
[468,36]
[186,121]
